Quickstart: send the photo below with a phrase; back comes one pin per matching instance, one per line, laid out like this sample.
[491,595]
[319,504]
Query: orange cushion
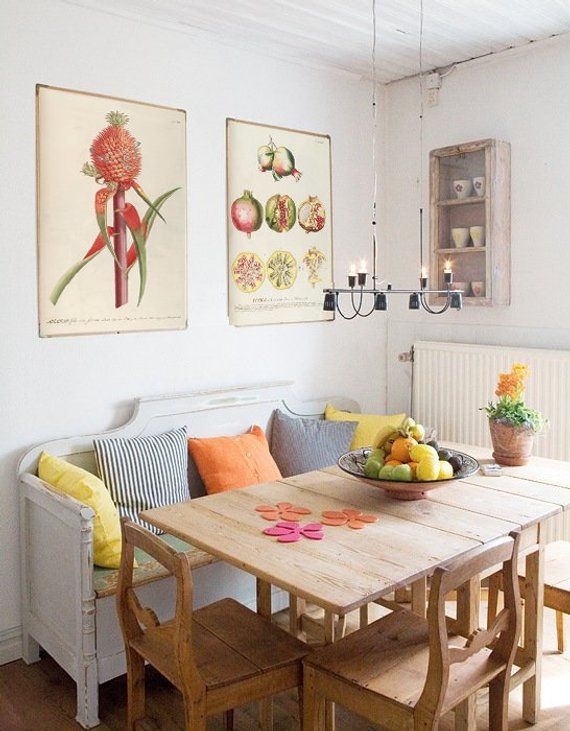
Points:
[226,463]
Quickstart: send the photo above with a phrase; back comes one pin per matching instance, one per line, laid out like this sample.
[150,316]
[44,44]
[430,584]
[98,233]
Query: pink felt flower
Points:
[288,532]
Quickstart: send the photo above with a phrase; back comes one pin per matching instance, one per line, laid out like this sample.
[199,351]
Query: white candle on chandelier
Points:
[447,267]
[352,270]
[363,269]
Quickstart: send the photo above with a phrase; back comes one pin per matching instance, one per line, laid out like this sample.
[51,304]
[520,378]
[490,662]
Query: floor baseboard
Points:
[10,645]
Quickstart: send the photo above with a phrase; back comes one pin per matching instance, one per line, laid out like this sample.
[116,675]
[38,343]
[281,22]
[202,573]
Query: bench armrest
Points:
[58,599]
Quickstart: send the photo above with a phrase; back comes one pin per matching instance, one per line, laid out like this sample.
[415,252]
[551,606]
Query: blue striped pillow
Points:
[144,472]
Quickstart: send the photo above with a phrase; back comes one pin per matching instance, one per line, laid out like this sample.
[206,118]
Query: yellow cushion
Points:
[369,425]
[88,489]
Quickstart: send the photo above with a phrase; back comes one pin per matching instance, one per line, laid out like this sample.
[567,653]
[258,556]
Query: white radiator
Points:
[451,382]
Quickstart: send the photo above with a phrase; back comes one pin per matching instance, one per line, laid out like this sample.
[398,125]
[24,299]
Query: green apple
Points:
[377,454]
[372,468]
[402,472]
[386,472]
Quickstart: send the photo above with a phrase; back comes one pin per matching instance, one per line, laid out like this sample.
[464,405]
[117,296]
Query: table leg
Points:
[419,597]
[263,592]
[468,602]
[364,618]
[533,615]
[329,621]
[297,608]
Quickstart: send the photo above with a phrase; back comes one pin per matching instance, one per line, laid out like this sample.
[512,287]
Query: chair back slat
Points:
[480,638]
[502,636]
[137,620]
[149,543]
[477,561]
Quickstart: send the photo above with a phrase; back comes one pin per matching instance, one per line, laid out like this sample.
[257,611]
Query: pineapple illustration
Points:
[116,163]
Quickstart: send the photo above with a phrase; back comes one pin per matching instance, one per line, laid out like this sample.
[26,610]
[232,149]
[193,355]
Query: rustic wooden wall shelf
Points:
[489,264]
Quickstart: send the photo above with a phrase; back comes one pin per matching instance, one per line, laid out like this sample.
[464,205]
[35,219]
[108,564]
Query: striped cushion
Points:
[302,445]
[144,472]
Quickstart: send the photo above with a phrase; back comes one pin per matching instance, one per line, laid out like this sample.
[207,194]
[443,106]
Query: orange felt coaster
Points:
[348,516]
[333,521]
[282,511]
[356,524]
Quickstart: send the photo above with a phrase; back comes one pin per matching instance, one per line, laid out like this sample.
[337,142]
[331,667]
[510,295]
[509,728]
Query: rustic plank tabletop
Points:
[351,568]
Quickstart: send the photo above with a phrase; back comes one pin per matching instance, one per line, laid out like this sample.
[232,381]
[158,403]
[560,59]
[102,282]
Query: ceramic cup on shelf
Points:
[478,289]
[462,188]
[477,234]
[463,286]
[479,186]
[460,237]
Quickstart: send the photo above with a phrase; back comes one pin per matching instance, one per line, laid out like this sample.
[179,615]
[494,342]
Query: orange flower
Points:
[512,384]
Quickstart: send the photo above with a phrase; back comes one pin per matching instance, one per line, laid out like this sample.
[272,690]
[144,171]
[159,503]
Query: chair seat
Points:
[556,564]
[231,644]
[390,658]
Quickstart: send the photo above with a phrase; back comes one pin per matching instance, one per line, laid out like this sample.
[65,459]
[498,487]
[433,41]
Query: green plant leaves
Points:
[140,234]
[514,412]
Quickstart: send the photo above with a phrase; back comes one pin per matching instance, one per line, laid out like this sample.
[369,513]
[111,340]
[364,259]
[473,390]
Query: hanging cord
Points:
[374,124]
[421,179]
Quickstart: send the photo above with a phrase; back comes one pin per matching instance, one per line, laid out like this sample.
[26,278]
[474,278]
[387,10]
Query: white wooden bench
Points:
[68,605]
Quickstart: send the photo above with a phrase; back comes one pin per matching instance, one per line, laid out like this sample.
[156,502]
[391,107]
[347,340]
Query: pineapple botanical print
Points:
[115,164]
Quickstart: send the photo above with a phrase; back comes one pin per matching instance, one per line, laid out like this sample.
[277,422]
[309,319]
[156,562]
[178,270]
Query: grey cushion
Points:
[300,445]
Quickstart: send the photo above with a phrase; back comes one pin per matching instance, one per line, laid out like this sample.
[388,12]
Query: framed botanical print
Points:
[279,222]
[111,177]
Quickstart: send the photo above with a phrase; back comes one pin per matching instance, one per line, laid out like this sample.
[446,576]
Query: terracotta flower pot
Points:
[512,445]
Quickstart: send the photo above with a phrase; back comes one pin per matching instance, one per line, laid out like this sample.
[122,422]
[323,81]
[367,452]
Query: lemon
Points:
[445,470]
[427,469]
[419,451]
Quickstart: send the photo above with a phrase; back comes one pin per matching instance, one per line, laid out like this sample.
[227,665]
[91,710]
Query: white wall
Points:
[65,386]
[521,97]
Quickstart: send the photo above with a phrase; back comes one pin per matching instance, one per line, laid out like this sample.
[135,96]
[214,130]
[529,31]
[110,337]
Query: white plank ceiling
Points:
[338,33]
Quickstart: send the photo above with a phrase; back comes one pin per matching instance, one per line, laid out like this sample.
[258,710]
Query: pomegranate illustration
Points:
[247,213]
[248,272]
[280,213]
[265,157]
[314,260]
[282,269]
[279,160]
[284,164]
[312,215]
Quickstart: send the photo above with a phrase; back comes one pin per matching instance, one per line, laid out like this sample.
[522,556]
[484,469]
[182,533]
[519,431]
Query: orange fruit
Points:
[413,467]
[401,449]
[392,462]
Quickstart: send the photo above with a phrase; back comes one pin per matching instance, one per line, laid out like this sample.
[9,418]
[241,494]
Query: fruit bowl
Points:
[353,463]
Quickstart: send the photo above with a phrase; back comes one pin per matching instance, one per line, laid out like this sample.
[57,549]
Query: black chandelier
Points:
[357,281]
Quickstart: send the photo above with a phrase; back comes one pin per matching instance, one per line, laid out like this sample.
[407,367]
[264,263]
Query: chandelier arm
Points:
[430,310]
[341,313]
[355,308]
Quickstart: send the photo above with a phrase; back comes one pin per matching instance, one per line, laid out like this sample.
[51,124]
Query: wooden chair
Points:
[556,585]
[220,656]
[405,672]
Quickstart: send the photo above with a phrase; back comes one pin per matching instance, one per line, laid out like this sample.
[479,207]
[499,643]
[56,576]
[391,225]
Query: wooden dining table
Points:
[349,569]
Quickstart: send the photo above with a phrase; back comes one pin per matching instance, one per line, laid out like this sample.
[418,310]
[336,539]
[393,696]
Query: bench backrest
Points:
[206,413]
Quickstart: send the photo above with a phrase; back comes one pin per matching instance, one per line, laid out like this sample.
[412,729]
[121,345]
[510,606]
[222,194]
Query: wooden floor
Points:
[41,697]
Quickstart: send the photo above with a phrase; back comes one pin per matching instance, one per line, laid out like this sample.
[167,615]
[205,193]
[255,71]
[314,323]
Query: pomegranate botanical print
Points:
[278,193]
